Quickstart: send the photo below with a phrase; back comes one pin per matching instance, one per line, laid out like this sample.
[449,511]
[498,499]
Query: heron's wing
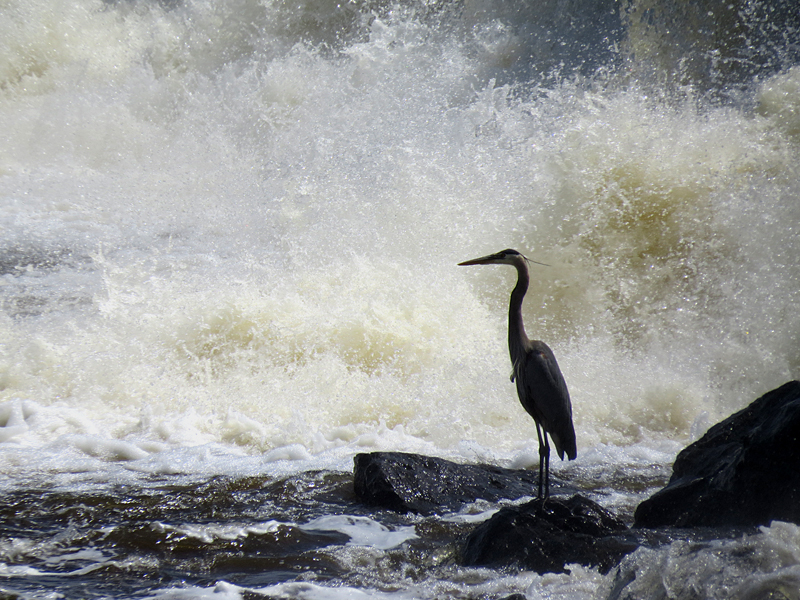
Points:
[543,392]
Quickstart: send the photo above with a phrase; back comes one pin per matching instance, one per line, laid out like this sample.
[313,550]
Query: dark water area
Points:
[251,532]
[174,536]
[123,541]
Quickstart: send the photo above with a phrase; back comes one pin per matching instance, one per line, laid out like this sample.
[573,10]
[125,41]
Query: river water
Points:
[228,243]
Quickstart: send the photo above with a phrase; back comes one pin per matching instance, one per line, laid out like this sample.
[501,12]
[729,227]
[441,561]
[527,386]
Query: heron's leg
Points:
[546,466]
[544,450]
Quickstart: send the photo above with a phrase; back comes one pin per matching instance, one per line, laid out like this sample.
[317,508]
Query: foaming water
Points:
[252,242]
[714,569]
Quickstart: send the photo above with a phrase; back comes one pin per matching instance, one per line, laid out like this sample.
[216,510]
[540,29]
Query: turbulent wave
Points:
[250,213]
[238,223]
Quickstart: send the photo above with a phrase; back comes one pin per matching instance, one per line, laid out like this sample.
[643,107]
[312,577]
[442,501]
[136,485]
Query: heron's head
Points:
[504,257]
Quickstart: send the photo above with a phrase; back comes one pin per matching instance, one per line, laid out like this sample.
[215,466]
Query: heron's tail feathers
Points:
[565,443]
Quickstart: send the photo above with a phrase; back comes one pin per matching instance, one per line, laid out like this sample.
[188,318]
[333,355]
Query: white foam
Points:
[755,565]
[778,101]
[254,248]
[210,533]
[362,531]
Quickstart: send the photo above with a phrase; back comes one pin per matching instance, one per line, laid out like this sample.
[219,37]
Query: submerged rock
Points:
[742,472]
[424,484]
[547,536]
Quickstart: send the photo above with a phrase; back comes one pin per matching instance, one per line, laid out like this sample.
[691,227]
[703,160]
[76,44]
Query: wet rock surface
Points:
[423,484]
[541,536]
[547,536]
[742,472]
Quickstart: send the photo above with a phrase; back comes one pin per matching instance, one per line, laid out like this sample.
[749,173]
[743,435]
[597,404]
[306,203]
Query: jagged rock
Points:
[545,537]
[743,471]
[424,484]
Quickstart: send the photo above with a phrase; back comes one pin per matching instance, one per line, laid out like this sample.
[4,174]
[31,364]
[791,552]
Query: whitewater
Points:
[229,234]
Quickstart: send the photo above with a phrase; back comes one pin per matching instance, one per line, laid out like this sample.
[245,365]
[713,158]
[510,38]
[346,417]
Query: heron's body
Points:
[540,385]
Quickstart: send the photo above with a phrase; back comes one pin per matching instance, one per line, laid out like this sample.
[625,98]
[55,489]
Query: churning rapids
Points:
[228,243]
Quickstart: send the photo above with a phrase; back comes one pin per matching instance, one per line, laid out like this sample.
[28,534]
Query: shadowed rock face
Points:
[744,471]
[546,536]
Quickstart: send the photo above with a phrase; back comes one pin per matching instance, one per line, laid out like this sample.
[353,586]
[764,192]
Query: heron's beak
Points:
[483,260]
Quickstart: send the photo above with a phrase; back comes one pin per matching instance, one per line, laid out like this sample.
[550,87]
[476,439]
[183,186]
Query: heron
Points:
[540,385]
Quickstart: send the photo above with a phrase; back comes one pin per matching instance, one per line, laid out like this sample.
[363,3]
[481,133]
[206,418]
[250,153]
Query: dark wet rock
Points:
[545,537]
[742,472]
[423,484]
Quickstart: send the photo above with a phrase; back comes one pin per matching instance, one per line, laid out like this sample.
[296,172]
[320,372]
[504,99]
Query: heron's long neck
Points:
[517,339]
